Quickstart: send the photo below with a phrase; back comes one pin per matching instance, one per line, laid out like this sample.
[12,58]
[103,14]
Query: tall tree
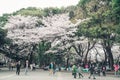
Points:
[42,48]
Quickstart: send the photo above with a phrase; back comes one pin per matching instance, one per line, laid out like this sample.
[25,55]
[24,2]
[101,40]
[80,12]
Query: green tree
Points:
[82,5]
[116,10]
[3,35]
[103,24]
[42,47]
[4,43]
[4,19]
[71,14]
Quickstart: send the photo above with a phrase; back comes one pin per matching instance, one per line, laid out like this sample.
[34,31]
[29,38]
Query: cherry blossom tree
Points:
[27,30]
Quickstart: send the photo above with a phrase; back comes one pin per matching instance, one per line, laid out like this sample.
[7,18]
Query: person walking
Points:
[54,68]
[92,71]
[51,68]
[74,71]
[12,65]
[79,70]
[104,70]
[34,66]
[26,67]
[9,65]
[116,68]
[18,65]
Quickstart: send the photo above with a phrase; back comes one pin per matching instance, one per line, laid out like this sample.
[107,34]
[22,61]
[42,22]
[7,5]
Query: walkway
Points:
[44,75]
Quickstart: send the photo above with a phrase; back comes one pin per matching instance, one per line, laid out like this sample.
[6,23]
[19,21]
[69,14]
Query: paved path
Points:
[44,75]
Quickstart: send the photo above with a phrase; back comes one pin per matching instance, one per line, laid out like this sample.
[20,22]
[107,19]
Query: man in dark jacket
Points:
[92,71]
[18,68]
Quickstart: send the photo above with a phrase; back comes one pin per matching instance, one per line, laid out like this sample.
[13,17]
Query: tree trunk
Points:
[88,49]
[110,57]
[85,59]
[106,56]
[107,46]
[67,63]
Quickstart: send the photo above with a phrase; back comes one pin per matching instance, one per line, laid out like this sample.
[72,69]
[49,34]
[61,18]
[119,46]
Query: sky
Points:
[9,6]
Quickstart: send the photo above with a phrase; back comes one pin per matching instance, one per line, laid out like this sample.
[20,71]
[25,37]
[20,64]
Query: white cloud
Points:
[9,6]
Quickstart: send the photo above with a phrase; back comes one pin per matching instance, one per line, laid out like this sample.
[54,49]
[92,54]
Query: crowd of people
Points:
[52,68]
[77,69]
[18,65]
[93,69]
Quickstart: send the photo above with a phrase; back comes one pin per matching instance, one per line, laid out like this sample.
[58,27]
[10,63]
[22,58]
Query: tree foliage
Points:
[32,11]
[3,39]
[103,25]
[116,10]
[42,48]
[103,22]
[4,19]
[71,14]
